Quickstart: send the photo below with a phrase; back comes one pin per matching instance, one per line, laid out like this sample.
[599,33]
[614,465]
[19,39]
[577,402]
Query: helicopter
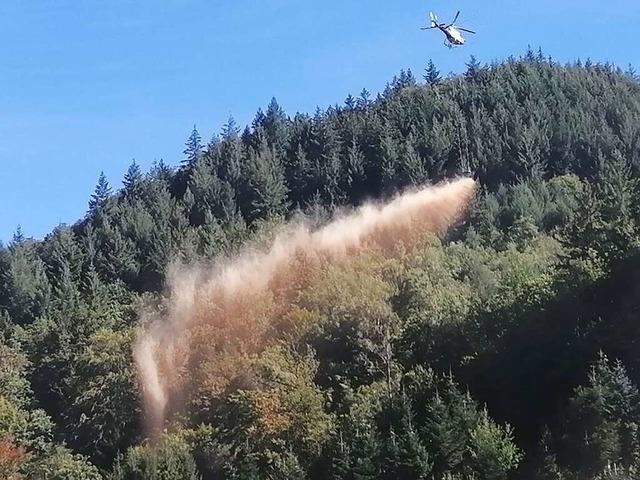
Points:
[452,32]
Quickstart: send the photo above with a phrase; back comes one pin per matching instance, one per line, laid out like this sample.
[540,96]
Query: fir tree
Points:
[193,148]
[162,172]
[275,125]
[473,68]
[100,194]
[18,237]
[268,195]
[353,178]
[230,129]
[403,453]
[602,420]
[132,179]
[350,102]
[432,75]
[364,100]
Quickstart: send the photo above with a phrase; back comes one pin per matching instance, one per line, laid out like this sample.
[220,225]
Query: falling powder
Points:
[222,296]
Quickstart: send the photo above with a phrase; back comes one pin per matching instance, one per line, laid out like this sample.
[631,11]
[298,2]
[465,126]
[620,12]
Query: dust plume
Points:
[216,315]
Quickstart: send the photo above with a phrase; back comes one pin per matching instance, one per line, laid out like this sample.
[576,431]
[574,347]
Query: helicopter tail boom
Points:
[434,20]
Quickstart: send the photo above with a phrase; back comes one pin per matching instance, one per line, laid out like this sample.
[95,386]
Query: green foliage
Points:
[193,146]
[357,375]
[601,421]
[24,287]
[100,195]
[170,459]
[281,427]
[494,455]
[103,416]
[432,75]
[606,223]
[61,464]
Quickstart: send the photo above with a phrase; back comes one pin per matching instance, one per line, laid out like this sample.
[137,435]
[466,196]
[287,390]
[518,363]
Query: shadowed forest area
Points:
[507,348]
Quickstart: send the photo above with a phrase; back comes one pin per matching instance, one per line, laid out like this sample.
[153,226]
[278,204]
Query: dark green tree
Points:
[100,194]
[193,148]
[132,179]
[601,422]
[432,75]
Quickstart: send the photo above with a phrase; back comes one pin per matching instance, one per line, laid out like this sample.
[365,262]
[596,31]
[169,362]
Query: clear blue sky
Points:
[89,85]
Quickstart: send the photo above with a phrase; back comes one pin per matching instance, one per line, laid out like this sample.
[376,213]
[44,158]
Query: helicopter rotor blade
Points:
[455,18]
[466,30]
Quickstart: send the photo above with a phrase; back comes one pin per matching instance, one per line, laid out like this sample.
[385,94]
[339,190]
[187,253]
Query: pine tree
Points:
[617,192]
[546,467]
[411,164]
[606,222]
[602,420]
[132,179]
[275,126]
[325,163]
[230,129]
[388,163]
[25,290]
[473,68]
[432,75]
[18,237]
[162,172]
[193,149]
[529,56]
[445,435]
[350,102]
[268,195]
[100,194]
[403,453]
[493,454]
[353,177]
[364,100]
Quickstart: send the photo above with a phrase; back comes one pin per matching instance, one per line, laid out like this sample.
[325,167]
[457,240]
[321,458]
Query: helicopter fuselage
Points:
[453,35]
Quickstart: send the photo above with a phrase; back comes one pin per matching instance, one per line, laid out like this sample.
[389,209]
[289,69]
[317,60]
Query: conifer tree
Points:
[161,171]
[602,420]
[353,178]
[388,163]
[432,75]
[230,129]
[403,453]
[100,194]
[546,467]
[350,102]
[411,165]
[275,127]
[18,237]
[473,68]
[364,100]
[193,148]
[268,194]
[132,179]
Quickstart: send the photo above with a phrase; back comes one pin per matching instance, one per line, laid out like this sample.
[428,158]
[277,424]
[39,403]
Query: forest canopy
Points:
[504,347]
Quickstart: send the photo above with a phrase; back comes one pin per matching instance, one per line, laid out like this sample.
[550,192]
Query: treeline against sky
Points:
[503,349]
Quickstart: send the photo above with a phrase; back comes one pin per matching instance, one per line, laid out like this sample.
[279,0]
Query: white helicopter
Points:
[452,32]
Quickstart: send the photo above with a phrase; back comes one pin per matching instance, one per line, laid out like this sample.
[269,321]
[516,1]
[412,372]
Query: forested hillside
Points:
[506,348]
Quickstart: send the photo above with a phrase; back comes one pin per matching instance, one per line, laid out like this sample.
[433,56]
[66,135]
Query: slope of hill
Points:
[501,348]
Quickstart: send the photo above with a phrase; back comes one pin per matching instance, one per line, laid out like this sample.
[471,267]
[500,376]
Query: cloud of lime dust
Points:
[221,300]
